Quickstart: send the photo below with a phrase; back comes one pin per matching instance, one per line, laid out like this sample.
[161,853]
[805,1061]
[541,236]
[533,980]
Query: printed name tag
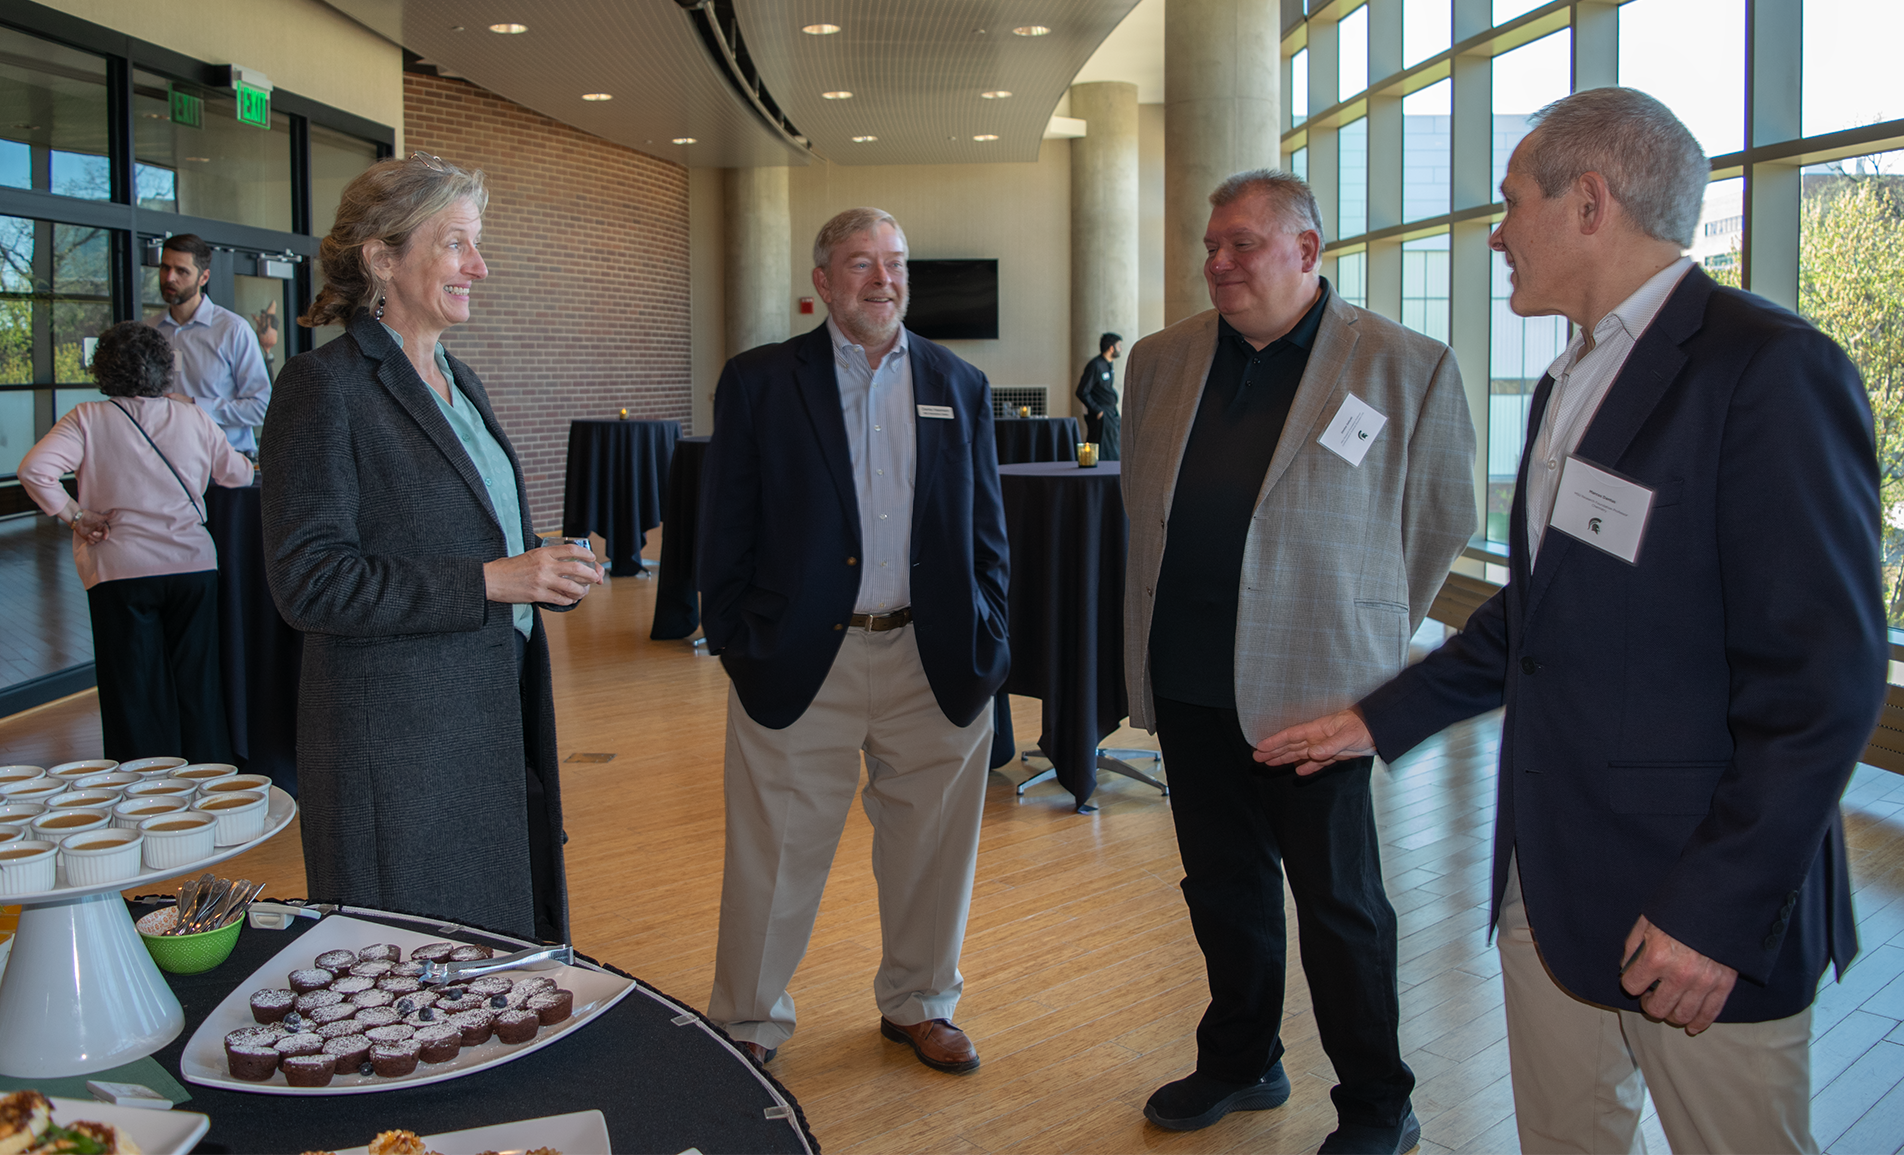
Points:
[1601,508]
[942,412]
[1352,430]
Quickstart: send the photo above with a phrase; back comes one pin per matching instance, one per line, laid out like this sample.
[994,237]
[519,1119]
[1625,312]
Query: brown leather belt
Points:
[879,622]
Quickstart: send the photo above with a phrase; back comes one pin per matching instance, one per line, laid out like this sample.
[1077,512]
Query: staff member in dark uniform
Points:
[1100,397]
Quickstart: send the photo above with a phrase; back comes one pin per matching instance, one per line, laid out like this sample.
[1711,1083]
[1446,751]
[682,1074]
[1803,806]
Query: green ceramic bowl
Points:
[187,954]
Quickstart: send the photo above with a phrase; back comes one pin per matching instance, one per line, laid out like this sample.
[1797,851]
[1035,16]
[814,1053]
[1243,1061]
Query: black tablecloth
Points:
[260,654]
[1027,439]
[617,476]
[1068,538]
[677,610]
[661,1087]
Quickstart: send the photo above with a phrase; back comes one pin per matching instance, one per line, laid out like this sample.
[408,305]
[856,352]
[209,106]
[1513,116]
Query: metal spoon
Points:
[219,915]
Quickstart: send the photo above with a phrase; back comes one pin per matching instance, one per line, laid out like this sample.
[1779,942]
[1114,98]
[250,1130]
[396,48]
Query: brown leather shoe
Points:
[761,1054]
[938,1043]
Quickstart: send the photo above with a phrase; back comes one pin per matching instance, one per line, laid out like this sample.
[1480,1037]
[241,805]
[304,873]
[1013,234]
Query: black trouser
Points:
[1105,432]
[1240,826]
[155,650]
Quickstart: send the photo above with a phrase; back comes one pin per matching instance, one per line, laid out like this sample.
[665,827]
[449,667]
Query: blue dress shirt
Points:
[881,437]
[220,365]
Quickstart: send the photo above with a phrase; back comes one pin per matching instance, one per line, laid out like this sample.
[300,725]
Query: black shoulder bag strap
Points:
[204,519]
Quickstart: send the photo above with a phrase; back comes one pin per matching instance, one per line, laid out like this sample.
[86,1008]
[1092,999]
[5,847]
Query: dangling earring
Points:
[380,303]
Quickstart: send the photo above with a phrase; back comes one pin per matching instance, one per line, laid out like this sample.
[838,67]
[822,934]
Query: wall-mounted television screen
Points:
[953,300]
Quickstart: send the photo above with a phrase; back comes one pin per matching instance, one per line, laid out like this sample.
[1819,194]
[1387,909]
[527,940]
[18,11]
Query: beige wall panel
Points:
[1150,221]
[304,46]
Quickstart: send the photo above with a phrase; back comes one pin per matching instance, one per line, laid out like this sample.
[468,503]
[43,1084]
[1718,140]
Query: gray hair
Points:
[388,201]
[1652,165]
[1288,195]
[849,224]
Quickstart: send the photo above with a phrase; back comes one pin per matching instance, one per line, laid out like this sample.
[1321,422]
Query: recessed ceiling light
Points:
[995,94]
[509,29]
[841,94]
[200,159]
[684,140]
[1030,30]
[598,96]
[986,136]
[864,139]
[153,115]
[456,28]
[820,29]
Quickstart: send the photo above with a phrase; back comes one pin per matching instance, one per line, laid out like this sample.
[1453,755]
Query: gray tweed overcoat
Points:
[426,769]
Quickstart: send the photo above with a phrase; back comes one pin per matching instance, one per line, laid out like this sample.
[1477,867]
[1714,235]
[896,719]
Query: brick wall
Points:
[586,307]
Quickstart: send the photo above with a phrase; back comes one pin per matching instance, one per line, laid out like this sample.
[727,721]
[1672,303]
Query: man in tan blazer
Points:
[1299,476]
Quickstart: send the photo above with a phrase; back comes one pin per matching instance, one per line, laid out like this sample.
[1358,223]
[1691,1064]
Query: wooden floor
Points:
[1083,984]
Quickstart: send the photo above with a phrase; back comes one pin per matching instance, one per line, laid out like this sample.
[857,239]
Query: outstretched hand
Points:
[1313,745]
[558,574]
[1673,981]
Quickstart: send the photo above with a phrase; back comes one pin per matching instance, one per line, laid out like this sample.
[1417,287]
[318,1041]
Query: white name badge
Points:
[1352,430]
[942,412]
[1601,508]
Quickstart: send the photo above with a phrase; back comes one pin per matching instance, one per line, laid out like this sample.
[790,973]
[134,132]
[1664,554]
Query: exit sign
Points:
[254,105]
[187,109]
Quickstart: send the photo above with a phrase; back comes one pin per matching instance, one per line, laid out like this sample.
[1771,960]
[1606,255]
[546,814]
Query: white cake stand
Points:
[80,992]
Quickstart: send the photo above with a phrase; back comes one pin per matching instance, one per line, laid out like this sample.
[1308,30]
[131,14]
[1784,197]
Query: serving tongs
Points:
[435,973]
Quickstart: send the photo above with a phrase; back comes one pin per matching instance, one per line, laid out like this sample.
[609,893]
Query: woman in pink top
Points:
[140,543]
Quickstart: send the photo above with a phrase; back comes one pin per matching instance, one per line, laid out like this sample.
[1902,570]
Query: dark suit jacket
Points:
[413,726]
[780,533]
[1679,731]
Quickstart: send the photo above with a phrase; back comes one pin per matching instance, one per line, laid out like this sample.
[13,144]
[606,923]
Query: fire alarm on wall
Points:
[806,305]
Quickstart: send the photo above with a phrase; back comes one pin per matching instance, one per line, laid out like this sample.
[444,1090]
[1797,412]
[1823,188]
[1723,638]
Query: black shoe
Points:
[1198,1101]
[1362,1139]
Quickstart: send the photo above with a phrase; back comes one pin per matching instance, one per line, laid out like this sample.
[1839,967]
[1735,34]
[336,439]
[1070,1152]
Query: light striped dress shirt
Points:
[880,436]
[1582,375]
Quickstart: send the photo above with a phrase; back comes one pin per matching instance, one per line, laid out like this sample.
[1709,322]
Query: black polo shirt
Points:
[1246,400]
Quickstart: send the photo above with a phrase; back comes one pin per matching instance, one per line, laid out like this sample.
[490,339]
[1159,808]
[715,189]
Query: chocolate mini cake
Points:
[337,961]
[320,1016]
[432,952]
[470,953]
[252,1062]
[490,985]
[349,985]
[269,1006]
[425,1017]
[302,1043]
[350,1051]
[476,1026]
[408,970]
[382,951]
[393,1060]
[311,1000]
[373,968]
[390,1033]
[310,979]
[265,1035]
[439,1043]
[398,984]
[339,1029]
[552,1007]
[517,1026]
[372,998]
[309,1070]
[459,1001]
[368,1017]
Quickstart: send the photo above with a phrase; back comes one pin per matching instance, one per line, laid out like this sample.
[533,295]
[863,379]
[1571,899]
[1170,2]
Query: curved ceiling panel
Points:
[916,71]
[645,53]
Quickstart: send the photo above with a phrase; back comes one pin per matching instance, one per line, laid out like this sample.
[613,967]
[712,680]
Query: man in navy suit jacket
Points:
[1685,699]
[853,568]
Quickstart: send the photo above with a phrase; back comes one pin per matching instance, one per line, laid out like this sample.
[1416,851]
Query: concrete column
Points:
[1104,224]
[759,255]
[1221,114]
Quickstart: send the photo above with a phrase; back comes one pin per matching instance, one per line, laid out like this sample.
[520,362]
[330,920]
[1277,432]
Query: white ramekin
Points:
[55,825]
[240,816]
[128,814]
[27,866]
[70,772]
[19,773]
[36,790]
[166,849]
[162,788]
[204,773]
[101,856]
[152,767]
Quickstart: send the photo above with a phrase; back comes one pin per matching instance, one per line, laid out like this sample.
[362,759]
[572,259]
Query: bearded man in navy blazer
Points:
[1686,697]
[853,567]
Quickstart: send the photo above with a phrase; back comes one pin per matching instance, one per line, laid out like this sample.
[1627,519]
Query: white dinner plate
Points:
[580,1133]
[156,1132]
[204,1059]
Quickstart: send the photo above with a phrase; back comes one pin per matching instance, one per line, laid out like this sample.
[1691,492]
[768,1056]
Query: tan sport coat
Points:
[1341,561]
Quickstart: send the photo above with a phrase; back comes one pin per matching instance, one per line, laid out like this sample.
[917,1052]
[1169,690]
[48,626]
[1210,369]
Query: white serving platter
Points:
[156,1132]
[204,1062]
[279,814]
[579,1133]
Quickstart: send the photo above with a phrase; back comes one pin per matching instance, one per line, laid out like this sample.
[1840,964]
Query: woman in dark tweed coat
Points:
[395,527]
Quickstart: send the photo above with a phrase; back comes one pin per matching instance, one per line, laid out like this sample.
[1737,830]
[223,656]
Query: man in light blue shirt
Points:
[219,366]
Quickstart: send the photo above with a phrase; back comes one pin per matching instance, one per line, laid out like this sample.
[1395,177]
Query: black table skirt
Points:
[616,483]
[260,654]
[1027,439]
[661,1087]
[1068,537]
[677,611]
